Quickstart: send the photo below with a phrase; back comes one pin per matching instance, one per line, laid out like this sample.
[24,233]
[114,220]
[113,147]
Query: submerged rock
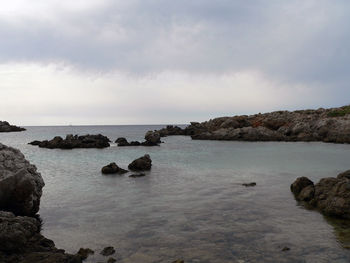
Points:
[330,195]
[20,183]
[249,184]
[71,142]
[141,164]
[6,127]
[137,175]
[85,252]
[113,168]
[107,251]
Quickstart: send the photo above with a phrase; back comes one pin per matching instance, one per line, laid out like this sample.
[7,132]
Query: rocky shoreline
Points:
[325,125]
[6,127]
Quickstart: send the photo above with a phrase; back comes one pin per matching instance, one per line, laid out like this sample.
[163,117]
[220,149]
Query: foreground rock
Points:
[6,127]
[330,195]
[107,251]
[20,183]
[327,125]
[113,168]
[71,142]
[141,164]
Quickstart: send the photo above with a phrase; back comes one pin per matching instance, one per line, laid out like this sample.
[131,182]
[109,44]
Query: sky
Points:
[166,62]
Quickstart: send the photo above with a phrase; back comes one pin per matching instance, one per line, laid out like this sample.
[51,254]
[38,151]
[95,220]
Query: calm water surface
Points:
[191,205]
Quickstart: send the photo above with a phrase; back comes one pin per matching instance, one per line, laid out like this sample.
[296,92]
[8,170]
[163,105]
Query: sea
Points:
[192,204]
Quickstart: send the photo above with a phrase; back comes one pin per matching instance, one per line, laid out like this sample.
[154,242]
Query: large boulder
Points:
[152,138]
[143,163]
[330,195]
[74,141]
[113,168]
[6,127]
[20,183]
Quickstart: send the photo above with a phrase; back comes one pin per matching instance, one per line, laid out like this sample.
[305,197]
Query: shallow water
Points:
[191,205]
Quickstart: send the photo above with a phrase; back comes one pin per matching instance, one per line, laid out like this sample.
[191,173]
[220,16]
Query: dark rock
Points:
[330,195]
[179,261]
[249,184]
[71,142]
[85,252]
[141,164]
[107,251]
[20,183]
[152,138]
[285,249]
[137,175]
[122,142]
[111,260]
[327,125]
[6,127]
[113,168]
[135,143]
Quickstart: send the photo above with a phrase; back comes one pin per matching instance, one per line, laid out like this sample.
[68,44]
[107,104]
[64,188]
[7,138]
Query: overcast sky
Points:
[157,62]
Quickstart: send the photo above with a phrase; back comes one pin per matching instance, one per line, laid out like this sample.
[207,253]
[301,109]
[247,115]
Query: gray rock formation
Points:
[20,183]
[152,138]
[327,125]
[71,142]
[6,127]
[141,164]
[330,195]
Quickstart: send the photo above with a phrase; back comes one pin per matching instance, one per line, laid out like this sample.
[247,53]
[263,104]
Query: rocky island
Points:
[6,127]
[74,141]
[326,125]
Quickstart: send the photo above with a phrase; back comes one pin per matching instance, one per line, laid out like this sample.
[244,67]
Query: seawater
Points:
[191,205]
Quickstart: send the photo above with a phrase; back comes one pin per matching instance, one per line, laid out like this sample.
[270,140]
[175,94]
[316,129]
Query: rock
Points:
[141,164]
[85,252]
[71,142]
[137,175]
[285,249]
[122,142]
[20,183]
[152,138]
[107,251]
[327,125]
[111,260]
[6,127]
[21,242]
[330,195]
[113,168]
[179,261]
[249,184]
[135,143]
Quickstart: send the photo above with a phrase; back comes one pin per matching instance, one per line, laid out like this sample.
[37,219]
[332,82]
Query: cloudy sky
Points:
[166,61]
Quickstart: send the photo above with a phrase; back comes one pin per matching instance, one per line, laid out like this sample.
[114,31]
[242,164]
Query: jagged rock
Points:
[330,195]
[141,164]
[71,142]
[327,125]
[107,251]
[20,183]
[6,127]
[113,168]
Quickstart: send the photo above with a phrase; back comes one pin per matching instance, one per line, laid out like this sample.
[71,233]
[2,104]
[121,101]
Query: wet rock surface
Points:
[143,163]
[6,127]
[330,195]
[20,183]
[113,168]
[137,175]
[74,141]
[152,138]
[327,125]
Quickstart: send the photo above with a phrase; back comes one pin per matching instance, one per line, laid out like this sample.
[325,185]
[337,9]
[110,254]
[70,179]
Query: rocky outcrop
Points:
[330,195]
[6,127]
[20,183]
[71,142]
[327,125]
[152,138]
[113,168]
[143,163]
